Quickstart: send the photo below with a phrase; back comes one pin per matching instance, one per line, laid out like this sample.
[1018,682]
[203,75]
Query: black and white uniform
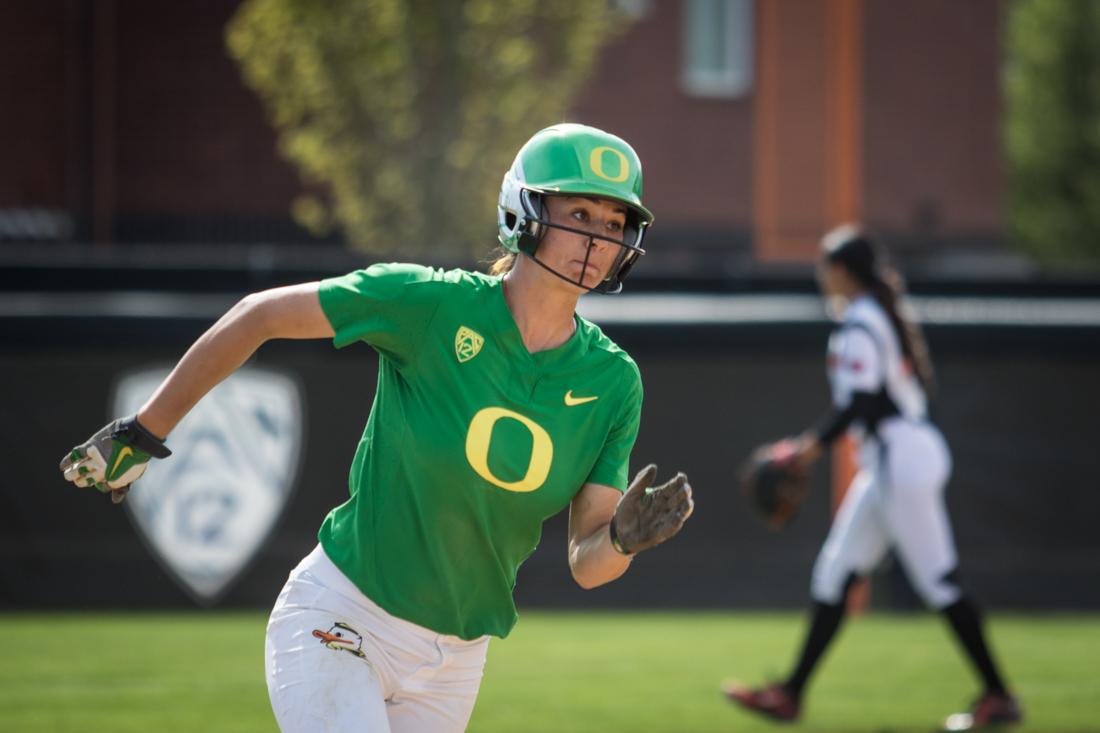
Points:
[896,499]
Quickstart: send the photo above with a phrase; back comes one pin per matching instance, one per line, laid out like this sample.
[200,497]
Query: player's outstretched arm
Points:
[606,528]
[116,455]
[292,312]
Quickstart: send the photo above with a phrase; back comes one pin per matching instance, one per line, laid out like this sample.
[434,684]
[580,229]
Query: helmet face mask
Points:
[538,224]
[573,160]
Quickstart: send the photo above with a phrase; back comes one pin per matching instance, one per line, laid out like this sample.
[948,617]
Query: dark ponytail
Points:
[887,288]
[849,247]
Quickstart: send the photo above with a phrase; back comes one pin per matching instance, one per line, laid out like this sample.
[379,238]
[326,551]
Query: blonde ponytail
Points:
[503,264]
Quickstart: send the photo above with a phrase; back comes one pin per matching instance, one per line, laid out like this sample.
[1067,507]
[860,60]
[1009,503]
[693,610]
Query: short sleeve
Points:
[613,465]
[857,366]
[388,306]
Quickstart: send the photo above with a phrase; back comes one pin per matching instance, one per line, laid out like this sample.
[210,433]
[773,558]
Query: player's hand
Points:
[775,478]
[648,515]
[114,457]
[806,450]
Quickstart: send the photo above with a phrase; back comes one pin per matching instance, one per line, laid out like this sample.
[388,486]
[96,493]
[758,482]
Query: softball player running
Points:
[496,407]
[879,370]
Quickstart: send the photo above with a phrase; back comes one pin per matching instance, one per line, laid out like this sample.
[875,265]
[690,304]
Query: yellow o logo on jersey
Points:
[595,162]
[480,434]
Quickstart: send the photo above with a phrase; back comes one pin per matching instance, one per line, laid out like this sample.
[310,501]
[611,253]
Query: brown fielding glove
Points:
[774,483]
[647,516]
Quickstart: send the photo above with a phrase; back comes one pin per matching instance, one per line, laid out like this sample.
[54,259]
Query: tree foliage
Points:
[408,112]
[1053,127]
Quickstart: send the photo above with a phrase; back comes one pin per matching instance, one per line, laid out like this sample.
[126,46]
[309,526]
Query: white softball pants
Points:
[337,663]
[896,500]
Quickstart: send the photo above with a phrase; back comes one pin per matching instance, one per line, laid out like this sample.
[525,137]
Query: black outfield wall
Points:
[1018,405]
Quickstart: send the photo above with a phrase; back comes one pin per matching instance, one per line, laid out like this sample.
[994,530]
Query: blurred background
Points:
[159,160]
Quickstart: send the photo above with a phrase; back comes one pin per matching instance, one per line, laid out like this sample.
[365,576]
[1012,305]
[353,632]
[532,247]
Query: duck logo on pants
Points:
[206,511]
[342,636]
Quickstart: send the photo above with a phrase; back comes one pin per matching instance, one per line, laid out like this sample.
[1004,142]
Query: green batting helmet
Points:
[573,160]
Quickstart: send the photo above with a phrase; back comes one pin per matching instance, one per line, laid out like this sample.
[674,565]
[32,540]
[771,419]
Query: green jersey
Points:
[472,442]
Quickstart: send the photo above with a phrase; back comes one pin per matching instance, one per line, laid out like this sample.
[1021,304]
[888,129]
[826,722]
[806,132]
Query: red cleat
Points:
[992,708]
[774,701]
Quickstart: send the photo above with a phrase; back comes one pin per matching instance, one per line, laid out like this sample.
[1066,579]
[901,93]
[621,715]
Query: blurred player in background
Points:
[879,370]
[496,407]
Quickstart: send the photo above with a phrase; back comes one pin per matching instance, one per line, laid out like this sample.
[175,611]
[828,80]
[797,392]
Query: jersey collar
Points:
[512,337]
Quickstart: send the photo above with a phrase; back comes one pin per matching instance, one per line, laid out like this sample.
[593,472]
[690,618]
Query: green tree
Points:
[408,112]
[1052,90]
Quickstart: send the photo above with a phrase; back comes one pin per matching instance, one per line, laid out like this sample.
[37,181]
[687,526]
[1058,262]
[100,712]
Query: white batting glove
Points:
[115,457]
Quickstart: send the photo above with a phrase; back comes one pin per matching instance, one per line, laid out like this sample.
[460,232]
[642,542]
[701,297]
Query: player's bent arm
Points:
[592,559]
[835,422]
[291,312]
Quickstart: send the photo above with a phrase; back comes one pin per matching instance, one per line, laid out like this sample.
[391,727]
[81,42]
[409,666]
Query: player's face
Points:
[566,252]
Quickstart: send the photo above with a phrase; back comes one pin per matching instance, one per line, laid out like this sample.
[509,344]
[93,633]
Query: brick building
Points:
[760,123]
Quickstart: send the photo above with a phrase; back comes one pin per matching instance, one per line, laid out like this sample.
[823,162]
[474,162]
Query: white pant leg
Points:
[314,688]
[856,542]
[431,714]
[440,699]
[402,678]
[918,466]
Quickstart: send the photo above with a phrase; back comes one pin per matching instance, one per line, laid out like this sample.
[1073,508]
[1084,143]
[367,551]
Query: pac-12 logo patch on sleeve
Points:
[205,512]
[468,343]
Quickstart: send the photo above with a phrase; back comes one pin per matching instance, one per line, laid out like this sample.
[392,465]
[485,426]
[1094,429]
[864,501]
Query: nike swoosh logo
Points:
[127,451]
[572,401]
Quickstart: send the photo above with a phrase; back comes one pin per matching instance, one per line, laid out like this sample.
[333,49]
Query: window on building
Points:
[717,47]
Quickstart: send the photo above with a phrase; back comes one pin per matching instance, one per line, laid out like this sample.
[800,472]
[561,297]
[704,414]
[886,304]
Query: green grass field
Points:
[558,672]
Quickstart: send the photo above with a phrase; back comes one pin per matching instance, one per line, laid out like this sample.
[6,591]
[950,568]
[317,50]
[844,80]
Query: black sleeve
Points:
[834,422]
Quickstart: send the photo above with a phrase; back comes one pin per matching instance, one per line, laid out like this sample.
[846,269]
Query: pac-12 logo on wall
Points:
[205,511]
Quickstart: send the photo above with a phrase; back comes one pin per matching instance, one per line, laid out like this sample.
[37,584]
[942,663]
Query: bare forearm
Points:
[594,561]
[214,356]
[810,449]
